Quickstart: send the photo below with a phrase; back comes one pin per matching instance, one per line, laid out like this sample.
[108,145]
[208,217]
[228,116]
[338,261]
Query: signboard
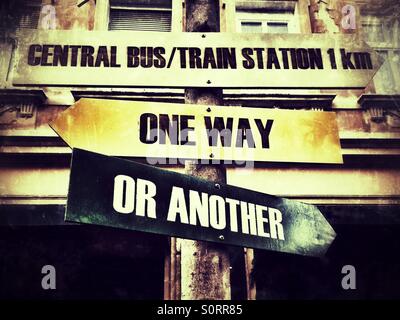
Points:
[165,131]
[123,194]
[230,60]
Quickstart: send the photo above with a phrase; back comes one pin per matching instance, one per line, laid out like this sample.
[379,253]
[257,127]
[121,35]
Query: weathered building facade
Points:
[361,197]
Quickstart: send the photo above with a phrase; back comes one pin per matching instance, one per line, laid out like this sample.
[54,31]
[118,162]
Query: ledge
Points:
[379,101]
[285,101]
[280,5]
[15,95]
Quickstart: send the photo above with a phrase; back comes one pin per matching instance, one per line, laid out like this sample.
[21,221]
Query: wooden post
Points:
[167,276]
[205,267]
[249,266]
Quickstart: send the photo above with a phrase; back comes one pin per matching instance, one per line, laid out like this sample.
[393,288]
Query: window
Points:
[140,15]
[266,17]
[261,27]
[373,32]
[251,27]
[30,14]
[381,33]
[277,27]
[20,14]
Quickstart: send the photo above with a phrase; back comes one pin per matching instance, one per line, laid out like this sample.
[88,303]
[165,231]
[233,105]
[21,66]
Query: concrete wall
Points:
[71,17]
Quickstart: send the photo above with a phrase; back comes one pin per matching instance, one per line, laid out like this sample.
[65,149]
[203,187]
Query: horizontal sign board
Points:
[230,60]
[118,193]
[163,132]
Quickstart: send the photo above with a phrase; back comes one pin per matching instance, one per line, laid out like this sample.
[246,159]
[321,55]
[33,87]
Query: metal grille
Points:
[142,3]
[30,14]
[140,20]
[30,18]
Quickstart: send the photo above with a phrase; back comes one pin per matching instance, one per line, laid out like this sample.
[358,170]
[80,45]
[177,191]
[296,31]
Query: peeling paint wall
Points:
[71,17]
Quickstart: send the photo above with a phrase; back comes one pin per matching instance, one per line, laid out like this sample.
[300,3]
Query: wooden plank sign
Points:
[118,193]
[163,59]
[165,131]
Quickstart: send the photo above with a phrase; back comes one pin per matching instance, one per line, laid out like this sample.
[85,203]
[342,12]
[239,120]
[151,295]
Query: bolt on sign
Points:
[118,193]
[227,60]
[170,131]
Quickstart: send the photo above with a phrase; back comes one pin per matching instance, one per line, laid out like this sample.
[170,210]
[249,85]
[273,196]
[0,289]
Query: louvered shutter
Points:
[140,20]
[29,18]
[30,14]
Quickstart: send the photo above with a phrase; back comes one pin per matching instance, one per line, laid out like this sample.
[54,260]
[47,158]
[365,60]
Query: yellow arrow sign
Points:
[165,131]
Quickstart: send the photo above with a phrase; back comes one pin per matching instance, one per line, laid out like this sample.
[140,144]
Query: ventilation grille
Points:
[140,20]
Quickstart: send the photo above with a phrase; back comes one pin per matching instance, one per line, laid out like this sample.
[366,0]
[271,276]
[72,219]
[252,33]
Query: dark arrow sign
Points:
[118,193]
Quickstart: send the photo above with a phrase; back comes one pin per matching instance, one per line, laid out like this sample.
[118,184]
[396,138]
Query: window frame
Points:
[275,15]
[31,7]
[135,8]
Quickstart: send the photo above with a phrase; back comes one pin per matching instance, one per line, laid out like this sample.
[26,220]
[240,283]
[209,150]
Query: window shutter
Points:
[30,14]
[29,18]
[140,20]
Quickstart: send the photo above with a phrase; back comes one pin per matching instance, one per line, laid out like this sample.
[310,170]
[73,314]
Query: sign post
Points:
[201,129]
[205,267]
